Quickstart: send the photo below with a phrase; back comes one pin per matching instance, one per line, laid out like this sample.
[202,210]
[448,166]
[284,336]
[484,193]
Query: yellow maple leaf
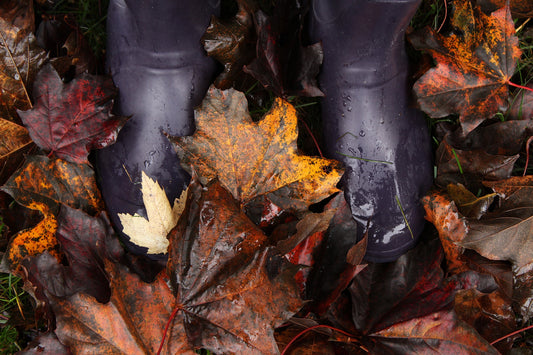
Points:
[152,232]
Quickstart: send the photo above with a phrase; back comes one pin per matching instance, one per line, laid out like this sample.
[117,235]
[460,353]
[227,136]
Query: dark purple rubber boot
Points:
[159,65]
[367,121]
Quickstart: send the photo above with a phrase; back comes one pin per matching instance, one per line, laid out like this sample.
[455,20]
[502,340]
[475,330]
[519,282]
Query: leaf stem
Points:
[519,86]
[511,334]
[170,319]
[527,154]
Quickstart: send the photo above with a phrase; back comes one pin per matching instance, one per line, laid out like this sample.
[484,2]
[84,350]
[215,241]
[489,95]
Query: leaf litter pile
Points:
[248,240]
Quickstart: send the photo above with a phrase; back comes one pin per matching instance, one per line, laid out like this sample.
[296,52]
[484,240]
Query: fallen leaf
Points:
[522,105]
[68,120]
[14,142]
[523,290]
[442,212]
[474,65]
[232,289]
[20,60]
[231,42]
[519,8]
[33,241]
[252,159]
[489,313]
[53,182]
[516,190]
[439,332]
[469,204]
[18,13]
[132,322]
[46,343]
[152,232]
[283,64]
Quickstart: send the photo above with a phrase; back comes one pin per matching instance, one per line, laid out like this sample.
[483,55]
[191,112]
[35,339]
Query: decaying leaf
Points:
[19,13]
[519,8]
[132,322]
[231,287]
[152,232]
[33,241]
[469,204]
[55,181]
[14,141]
[250,158]
[68,120]
[442,212]
[474,64]
[20,60]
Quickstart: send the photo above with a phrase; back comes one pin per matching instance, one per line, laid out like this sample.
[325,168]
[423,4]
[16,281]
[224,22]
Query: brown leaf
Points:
[489,313]
[474,64]
[523,290]
[132,322]
[68,120]
[440,332]
[232,290]
[231,42]
[18,13]
[451,225]
[55,181]
[516,190]
[14,142]
[519,8]
[20,60]
[252,159]
[469,204]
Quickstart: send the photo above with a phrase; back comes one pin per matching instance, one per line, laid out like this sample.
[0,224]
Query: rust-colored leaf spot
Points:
[253,158]
[474,65]
[33,241]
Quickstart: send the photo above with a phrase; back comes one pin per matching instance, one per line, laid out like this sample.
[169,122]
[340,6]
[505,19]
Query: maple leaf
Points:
[20,60]
[68,120]
[54,182]
[152,232]
[14,142]
[474,65]
[252,159]
[231,288]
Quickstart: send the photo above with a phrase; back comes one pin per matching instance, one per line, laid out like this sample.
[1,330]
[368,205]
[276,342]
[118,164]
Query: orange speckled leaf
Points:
[20,60]
[442,212]
[253,158]
[33,241]
[519,8]
[474,64]
[55,181]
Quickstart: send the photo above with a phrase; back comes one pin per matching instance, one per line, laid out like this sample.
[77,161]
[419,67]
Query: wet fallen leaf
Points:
[440,332]
[14,142]
[33,241]
[18,13]
[516,190]
[474,64]
[469,204]
[232,289]
[489,313]
[68,120]
[519,8]
[523,290]
[132,322]
[283,64]
[442,212]
[54,182]
[20,60]
[501,271]
[249,158]
[231,42]
[152,232]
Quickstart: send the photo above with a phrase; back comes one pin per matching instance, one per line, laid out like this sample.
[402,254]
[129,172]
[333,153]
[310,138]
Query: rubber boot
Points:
[367,121]
[159,65]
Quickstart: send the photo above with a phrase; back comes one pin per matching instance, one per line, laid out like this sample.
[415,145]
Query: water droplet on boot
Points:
[362,133]
[146,164]
[349,108]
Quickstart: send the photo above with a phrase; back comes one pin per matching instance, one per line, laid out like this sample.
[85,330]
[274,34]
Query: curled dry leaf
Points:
[231,288]
[152,233]
[20,60]
[474,65]
[253,158]
[68,120]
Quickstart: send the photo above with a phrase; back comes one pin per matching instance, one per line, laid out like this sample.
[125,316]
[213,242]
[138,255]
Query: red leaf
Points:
[68,120]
